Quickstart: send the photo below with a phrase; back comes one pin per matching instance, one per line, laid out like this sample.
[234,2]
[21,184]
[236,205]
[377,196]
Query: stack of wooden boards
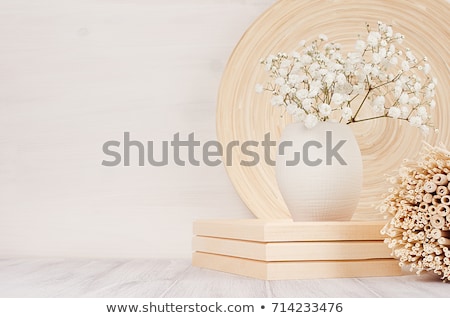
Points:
[283,249]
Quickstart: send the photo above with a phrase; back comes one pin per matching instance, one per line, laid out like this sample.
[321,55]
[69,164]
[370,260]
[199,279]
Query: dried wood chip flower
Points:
[418,205]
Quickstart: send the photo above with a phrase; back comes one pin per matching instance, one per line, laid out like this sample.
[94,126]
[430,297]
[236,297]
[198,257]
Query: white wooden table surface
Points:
[177,278]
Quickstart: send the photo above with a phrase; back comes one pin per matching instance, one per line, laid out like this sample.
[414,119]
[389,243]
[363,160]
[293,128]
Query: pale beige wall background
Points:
[76,73]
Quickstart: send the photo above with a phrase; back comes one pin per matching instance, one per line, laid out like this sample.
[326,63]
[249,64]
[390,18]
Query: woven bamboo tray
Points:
[244,115]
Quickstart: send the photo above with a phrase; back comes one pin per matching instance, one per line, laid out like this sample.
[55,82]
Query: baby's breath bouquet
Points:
[317,82]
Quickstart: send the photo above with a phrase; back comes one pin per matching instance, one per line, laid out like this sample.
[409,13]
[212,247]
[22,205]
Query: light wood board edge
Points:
[297,270]
[281,231]
[292,251]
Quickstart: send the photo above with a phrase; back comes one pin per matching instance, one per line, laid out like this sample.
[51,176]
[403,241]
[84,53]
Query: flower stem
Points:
[353,119]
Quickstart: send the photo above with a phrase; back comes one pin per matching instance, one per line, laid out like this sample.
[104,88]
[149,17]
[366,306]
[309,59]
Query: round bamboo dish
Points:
[244,115]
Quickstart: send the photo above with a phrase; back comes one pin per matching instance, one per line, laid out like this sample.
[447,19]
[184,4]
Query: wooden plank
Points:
[297,269]
[287,230]
[72,278]
[292,251]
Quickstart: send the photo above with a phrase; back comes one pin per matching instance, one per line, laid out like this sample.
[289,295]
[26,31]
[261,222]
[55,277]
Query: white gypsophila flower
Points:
[293,78]
[325,109]
[391,49]
[403,99]
[270,59]
[280,81]
[376,58]
[433,104]
[346,113]
[429,94]
[404,112]
[375,71]
[307,104]
[389,32]
[383,42]
[382,76]
[322,72]
[341,79]
[398,90]
[373,38]
[378,104]
[329,78]
[285,64]
[358,88]
[302,43]
[352,61]
[303,78]
[336,67]
[422,112]
[291,108]
[417,86]
[360,46]
[345,89]
[361,76]
[393,60]
[379,101]
[410,56]
[415,121]
[301,93]
[323,37]
[404,79]
[311,121]
[378,109]
[285,89]
[338,99]
[314,67]
[316,84]
[299,115]
[367,69]
[283,72]
[296,68]
[305,59]
[426,68]
[277,100]
[425,130]
[259,88]
[381,26]
[414,101]
[405,66]
[313,92]
[314,88]
[394,112]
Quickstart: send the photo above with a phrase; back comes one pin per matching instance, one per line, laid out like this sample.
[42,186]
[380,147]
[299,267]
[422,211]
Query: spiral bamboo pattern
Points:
[419,228]
[244,115]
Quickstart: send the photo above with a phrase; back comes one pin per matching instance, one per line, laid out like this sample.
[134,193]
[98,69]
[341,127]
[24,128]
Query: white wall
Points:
[76,73]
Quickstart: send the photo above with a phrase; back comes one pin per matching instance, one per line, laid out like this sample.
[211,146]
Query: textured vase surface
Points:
[319,171]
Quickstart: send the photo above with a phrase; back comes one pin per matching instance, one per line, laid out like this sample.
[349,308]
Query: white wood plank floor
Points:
[177,278]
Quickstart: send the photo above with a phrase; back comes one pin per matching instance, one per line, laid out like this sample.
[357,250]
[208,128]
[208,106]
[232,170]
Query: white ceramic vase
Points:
[320,174]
